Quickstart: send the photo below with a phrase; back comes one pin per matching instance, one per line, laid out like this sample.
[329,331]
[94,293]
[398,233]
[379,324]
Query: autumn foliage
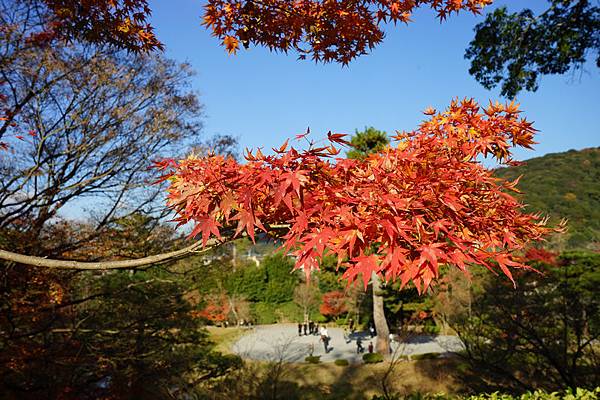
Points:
[214,311]
[121,23]
[334,304]
[400,213]
[322,30]
[541,256]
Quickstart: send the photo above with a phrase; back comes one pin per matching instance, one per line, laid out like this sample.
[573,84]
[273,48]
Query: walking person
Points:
[359,346]
[299,329]
[325,339]
[305,329]
[372,330]
[311,327]
[370,347]
[351,325]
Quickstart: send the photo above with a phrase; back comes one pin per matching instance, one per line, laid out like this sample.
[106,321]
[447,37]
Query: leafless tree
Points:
[88,124]
[307,296]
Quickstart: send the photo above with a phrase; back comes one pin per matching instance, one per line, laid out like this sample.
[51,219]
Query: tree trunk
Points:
[383,333]
[233,310]
[234,256]
[305,312]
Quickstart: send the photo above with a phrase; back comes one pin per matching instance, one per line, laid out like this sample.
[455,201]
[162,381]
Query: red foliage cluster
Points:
[399,213]
[214,312]
[541,255]
[325,30]
[334,304]
[120,23]
[322,29]
[422,315]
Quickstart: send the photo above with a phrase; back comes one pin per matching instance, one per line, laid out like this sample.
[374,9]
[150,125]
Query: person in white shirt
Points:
[325,338]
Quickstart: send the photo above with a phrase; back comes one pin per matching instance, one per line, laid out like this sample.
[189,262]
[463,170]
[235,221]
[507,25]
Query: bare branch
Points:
[195,248]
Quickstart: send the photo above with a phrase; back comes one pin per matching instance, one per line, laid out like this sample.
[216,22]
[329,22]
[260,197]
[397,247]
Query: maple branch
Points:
[194,248]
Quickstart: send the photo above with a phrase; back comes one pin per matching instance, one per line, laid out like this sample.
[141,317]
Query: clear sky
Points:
[264,98]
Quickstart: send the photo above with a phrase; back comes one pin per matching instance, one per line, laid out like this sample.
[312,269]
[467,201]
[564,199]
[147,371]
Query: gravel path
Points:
[281,341]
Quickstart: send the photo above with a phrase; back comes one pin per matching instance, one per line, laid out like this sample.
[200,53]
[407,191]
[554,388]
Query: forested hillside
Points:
[564,185]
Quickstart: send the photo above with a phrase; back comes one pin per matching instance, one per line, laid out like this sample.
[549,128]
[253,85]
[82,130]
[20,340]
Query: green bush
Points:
[318,318]
[372,358]
[425,356]
[577,394]
[264,313]
[289,312]
[313,359]
[432,329]
[341,362]
[463,368]
[340,322]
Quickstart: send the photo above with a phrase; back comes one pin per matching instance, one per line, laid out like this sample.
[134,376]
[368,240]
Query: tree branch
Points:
[194,248]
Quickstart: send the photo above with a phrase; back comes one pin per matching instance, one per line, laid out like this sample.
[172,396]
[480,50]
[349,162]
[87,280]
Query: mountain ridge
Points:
[563,185]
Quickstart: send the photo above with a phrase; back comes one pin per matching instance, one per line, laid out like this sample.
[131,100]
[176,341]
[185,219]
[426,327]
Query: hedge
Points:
[313,359]
[425,356]
[372,358]
[577,394]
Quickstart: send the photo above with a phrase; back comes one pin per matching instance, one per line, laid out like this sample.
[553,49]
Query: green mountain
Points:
[564,185]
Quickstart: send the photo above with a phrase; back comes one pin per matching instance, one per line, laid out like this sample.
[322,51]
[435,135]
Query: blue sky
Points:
[264,98]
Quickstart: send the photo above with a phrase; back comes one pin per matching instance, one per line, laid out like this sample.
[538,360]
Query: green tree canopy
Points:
[368,141]
[514,49]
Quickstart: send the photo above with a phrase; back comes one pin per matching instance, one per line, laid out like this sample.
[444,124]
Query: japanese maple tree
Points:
[325,30]
[215,312]
[540,255]
[400,213]
[334,304]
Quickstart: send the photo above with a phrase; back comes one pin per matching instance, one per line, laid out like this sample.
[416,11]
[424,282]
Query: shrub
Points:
[264,313]
[577,394]
[340,322]
[425,356]
[313,359]
[318,318]
[372,358]
[289,312]
[432,329]
[341,362]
